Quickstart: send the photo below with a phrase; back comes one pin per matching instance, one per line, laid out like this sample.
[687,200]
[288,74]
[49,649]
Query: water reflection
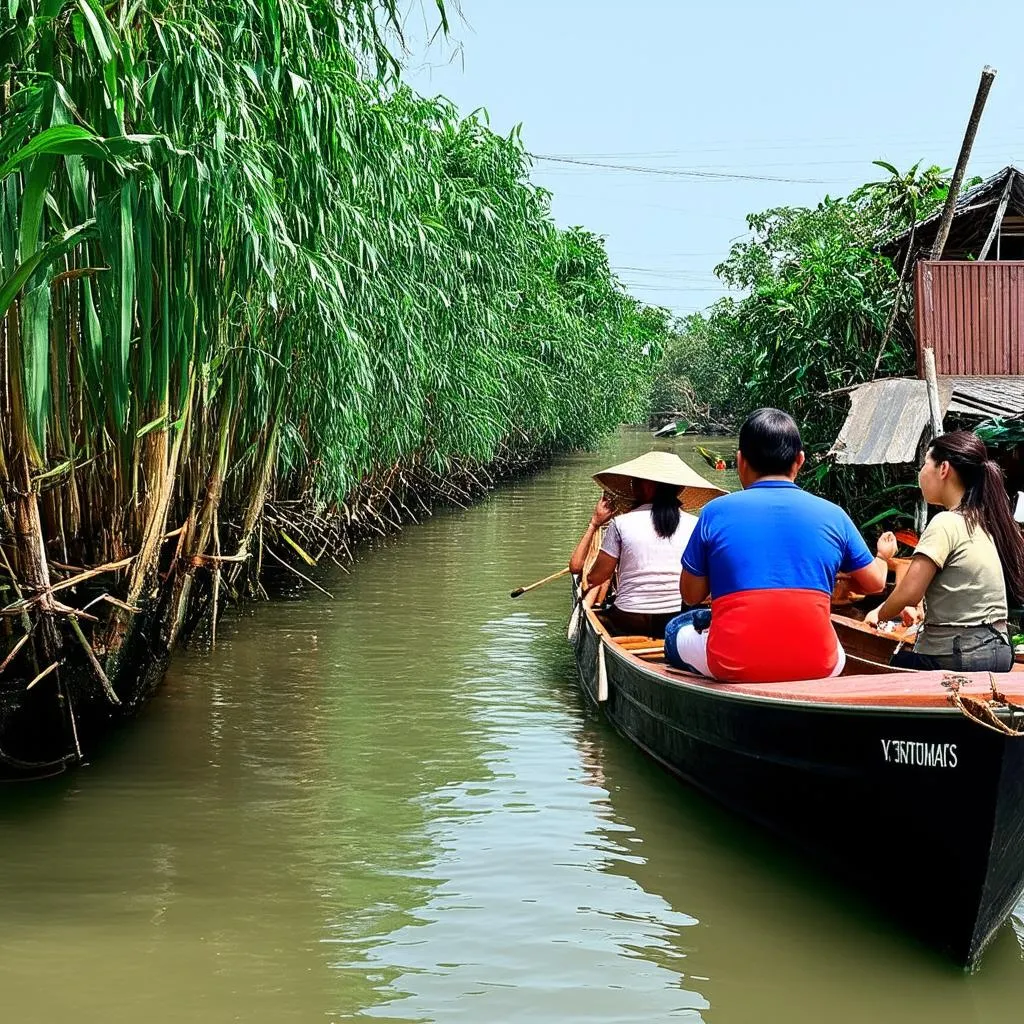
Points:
[523,921]
[395,805]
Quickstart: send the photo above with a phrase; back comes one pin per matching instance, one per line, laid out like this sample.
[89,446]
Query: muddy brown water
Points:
[395,805]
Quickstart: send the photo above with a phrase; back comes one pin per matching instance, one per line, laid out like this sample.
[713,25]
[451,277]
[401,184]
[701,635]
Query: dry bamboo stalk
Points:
[96,666]
[196,561]
[73,613]
[114,601]
[90,573]
[157,519]
[42,675]
[291,568]
[14,650]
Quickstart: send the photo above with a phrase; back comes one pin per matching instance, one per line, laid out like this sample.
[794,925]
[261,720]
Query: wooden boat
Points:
[880,776]
[715,459]
[675,428]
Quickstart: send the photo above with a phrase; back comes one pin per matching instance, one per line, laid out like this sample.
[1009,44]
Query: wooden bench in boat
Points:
[867,678]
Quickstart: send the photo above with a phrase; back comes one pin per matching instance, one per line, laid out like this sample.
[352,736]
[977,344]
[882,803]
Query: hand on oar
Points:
[540,583]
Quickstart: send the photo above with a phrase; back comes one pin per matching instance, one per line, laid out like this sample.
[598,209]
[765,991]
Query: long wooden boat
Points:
[881,776]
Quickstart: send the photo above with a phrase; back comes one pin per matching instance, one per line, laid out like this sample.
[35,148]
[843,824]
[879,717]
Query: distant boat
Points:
[875,775]
[673,429]
[716,460]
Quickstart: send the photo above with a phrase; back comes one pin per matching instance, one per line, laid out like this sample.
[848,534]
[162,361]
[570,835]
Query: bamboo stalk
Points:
[987,77]
[94,662]
[42,675]
[291,568]
[14,650]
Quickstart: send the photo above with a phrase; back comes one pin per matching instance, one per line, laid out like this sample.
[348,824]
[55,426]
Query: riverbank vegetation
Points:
[822,308]
[258,297]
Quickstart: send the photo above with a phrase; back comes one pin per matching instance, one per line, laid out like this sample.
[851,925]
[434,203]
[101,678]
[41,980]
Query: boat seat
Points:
[650,648]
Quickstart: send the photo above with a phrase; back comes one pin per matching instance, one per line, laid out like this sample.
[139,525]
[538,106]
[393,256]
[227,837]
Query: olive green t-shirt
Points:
[968,590]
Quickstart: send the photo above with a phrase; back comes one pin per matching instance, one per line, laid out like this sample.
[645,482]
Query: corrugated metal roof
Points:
[886,420]
[977,199]
[987,396]
[888,417]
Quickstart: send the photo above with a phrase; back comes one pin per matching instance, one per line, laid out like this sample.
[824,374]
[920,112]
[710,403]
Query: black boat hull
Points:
[922,809]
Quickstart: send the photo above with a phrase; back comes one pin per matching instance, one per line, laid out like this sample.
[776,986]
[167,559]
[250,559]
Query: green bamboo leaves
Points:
[285,267]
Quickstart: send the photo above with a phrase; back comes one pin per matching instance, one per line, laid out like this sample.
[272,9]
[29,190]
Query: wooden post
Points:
[987,75]
[998,219]
[935,419]
[932,383]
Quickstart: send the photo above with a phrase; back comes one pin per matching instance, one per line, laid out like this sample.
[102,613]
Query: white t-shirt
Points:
[649,565]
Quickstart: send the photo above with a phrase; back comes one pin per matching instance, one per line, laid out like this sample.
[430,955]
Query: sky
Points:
[785,101]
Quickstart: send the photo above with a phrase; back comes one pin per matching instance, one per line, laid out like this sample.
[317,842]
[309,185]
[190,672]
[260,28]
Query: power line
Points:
[807,143]
[682,172]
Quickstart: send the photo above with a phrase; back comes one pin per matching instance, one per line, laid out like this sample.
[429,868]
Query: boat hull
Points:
[921,809]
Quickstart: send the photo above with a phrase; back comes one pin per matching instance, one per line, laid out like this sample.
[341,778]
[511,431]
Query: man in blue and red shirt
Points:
[768,556]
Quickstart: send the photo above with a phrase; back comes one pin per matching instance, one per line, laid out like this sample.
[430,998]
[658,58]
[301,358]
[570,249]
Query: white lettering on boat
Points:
[924,755]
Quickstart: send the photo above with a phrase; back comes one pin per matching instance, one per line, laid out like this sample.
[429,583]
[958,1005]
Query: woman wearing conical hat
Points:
[646,543]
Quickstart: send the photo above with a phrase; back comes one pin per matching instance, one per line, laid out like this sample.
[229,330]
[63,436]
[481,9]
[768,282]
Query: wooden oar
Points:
[540,583]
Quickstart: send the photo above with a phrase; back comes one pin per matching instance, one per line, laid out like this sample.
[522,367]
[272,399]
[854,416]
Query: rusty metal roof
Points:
[987,396]
[885,423]
[972,217]
[888,418]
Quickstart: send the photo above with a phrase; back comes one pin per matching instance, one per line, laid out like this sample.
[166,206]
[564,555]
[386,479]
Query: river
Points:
[395,805]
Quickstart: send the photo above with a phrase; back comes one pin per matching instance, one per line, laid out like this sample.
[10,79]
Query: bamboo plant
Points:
[258,294]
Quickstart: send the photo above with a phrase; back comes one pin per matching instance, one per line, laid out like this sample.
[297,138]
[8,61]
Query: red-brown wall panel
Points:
[972,315]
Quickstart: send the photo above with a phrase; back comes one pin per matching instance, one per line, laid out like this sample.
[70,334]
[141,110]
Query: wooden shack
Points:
[969,309]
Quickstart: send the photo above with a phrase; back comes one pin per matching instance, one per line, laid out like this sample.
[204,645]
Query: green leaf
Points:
[151,425]
[889,513]
[10,287]
[96,20]
[58,140]
[35,342]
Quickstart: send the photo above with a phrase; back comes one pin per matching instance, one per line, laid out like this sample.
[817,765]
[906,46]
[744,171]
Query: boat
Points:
[907,785]
[674,428]
[715,459]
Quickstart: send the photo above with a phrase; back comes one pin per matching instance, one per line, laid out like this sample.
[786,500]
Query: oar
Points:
[540,583]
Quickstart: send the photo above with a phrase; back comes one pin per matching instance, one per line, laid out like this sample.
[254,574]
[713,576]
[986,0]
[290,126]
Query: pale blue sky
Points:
[792,89]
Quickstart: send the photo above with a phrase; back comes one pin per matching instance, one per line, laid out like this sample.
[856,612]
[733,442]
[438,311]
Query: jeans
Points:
[976,649]
[692,626]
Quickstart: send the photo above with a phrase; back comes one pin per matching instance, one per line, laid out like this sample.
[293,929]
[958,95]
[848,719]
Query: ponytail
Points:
[665,510]
[985,502]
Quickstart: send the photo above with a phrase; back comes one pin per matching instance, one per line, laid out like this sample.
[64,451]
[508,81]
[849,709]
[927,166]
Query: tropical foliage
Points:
[822,308]
[694,379]
[238,257]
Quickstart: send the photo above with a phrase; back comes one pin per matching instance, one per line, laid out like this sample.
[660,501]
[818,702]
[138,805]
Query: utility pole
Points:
[987,76]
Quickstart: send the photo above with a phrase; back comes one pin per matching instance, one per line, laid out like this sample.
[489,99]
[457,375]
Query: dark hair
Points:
[665,510]
[985,502]
[770,441]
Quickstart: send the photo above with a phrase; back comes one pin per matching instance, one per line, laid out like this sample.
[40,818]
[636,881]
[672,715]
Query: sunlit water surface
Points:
[395,805]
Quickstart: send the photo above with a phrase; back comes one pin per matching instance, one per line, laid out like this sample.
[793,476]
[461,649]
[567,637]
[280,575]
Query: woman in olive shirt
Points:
[966,559]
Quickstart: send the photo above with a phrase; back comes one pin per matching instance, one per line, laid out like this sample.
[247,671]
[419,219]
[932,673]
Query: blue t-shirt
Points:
[770,554]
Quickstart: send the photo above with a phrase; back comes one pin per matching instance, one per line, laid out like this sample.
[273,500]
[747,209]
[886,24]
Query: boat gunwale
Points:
[673,677]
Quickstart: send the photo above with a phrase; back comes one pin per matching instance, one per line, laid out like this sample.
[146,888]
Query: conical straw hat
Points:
[663,468]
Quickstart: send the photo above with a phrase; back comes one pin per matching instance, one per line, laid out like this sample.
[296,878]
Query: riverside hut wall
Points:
[972,315]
